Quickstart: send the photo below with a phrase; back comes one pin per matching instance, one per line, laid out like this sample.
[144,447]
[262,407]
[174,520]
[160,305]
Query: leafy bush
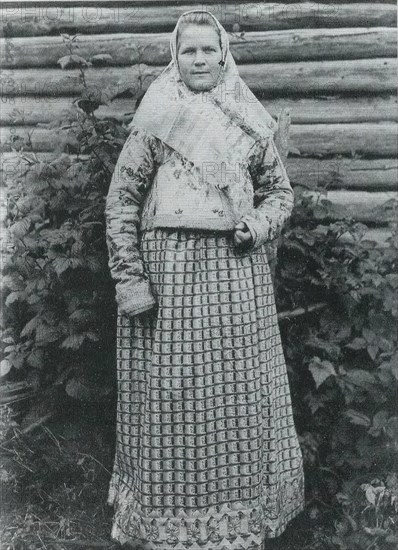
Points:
[59,302]
[344,368]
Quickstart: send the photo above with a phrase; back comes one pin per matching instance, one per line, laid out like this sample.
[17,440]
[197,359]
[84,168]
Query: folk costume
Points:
[207,455]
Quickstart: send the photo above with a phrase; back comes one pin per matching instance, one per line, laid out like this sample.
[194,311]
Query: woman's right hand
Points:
[242,236]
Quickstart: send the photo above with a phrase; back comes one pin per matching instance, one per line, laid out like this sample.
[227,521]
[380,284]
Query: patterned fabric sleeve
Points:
[273,195]
[131,179]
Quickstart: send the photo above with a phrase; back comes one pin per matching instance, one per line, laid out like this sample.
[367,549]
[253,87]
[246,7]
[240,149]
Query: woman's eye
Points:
[207,50]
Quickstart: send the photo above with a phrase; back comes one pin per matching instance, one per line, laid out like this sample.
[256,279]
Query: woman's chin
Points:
[200,86]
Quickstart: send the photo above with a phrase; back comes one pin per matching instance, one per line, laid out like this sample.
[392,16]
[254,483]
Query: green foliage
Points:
[59,309]
[369,518]
[343,364]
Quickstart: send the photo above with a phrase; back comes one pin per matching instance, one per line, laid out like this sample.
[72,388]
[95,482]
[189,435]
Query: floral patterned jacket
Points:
[153,186]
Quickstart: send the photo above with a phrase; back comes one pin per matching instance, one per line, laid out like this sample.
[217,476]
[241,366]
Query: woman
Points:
[207,454]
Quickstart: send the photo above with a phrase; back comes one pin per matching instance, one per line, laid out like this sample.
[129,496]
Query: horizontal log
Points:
[312,140]
[317,78]
[367,139]
[58,82]
[360,206]
[343,173]
[29,111]
[168,3]
[32,139]
[311,173]
[25,20]
[314,78]
[335,109]
[252,47]
[34,110]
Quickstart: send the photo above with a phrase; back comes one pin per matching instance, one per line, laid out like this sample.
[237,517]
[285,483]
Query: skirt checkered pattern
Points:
[207,455]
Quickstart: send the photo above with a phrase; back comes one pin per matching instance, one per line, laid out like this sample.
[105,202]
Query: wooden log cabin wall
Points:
[332,64]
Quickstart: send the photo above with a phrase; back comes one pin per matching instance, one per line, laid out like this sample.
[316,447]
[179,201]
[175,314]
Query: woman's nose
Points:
[199,58]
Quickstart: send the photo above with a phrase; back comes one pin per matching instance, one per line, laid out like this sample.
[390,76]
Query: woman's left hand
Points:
[242,235]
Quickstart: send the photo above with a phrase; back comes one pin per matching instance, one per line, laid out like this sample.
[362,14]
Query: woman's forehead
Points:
[192,34]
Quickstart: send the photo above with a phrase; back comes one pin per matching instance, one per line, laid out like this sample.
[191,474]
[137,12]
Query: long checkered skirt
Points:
[207,455]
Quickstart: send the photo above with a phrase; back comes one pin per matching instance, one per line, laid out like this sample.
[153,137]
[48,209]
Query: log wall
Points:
[332,64]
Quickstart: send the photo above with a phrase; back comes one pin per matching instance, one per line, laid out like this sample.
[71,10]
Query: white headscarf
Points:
[218,125]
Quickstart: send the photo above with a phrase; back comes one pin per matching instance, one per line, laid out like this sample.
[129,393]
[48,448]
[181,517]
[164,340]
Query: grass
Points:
[54,488]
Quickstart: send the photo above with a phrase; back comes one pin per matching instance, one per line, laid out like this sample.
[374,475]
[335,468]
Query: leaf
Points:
[373,350]
[77,248]
[343,499]
[361,378]
[379,422]
[82,316]
[91,336]
[21,228]
[12,283]
[321,370]
[30,326]
[37,185]
[329,348]
[46,334]
[314,402]
[5,475]
[392,481]
[369,335]
[357,418]
[390,301]
[357,343]
[88,106]
[17,359]
[391,428]
[76,389]
[61,264]
[391,366]
[76,262]
[14,297]
[392,278]
[74,341]
[93,263]
[5,367]
[73,61]
[35,358]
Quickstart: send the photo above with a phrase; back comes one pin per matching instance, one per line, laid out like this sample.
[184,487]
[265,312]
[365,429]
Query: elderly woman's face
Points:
[198,56]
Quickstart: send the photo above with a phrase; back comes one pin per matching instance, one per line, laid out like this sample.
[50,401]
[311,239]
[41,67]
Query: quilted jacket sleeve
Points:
[273,195]
[133,175]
